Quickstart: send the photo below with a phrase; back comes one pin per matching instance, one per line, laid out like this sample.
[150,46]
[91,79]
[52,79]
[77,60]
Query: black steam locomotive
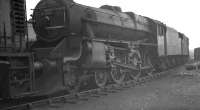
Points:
[76,43]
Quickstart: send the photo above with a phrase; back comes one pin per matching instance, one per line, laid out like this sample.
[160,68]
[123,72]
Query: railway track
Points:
[85,95]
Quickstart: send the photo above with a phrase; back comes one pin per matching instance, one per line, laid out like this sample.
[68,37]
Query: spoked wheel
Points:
[101,78]
[71,82]
[117,74]
[136,62]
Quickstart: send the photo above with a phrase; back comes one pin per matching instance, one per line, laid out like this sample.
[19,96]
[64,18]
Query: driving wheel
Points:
[117,74]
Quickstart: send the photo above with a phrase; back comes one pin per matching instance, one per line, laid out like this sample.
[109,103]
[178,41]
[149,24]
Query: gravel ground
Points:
[179,91]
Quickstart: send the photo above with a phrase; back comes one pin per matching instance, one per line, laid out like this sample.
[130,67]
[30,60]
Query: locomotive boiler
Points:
[67,18]
[79,45]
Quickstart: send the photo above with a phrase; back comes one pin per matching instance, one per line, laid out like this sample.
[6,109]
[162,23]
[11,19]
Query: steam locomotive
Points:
[76,42]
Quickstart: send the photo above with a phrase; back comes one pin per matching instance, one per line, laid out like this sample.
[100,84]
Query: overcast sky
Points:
[183,15]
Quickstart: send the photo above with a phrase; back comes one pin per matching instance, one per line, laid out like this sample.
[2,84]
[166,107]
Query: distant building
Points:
[31,32]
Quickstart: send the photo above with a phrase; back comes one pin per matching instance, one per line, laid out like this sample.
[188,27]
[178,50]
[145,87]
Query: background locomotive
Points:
[77,42]
[197,54]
